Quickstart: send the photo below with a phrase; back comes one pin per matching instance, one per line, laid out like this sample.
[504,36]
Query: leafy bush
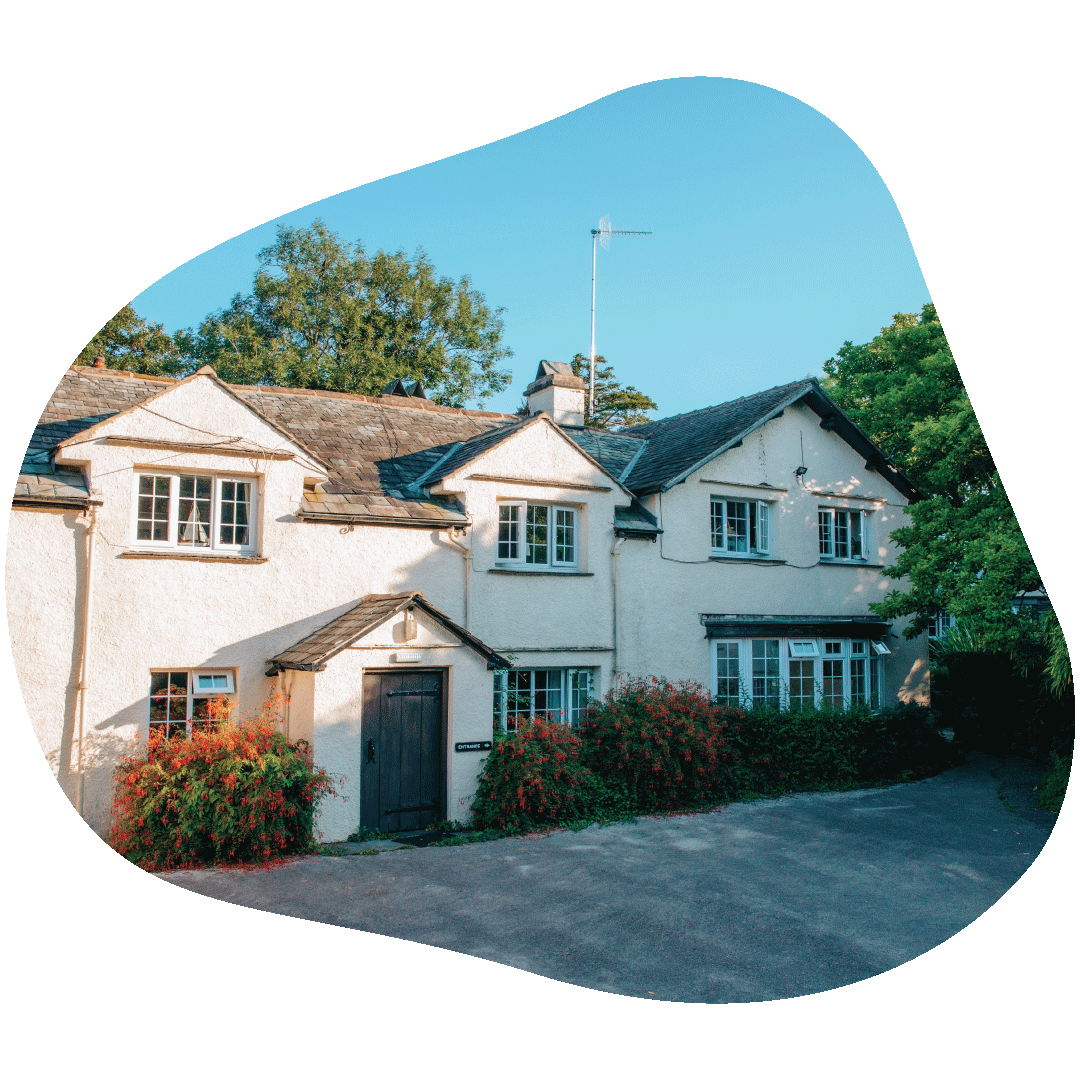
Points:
[1053,784]
[233,793]
[654,746]
[533,777]
[664,744]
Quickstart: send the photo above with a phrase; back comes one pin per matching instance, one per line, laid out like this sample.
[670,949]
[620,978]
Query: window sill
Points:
[860,563]
[193,556]
[732,557]
[541,573]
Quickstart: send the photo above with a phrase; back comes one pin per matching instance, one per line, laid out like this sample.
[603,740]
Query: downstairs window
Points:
[181,701]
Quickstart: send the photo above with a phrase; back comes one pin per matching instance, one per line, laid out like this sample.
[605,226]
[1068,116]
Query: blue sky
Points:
[774,240]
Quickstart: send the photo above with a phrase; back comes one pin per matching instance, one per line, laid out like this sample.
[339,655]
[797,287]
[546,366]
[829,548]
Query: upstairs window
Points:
[538,536]
[740,526]
[192,511]
[841,534]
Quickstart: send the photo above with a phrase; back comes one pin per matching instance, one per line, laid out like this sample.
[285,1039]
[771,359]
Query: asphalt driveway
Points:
[753,902]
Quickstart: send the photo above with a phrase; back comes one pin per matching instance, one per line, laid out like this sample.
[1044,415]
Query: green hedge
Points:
[654,746]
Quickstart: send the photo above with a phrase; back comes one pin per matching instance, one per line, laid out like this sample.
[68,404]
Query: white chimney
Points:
[558,392]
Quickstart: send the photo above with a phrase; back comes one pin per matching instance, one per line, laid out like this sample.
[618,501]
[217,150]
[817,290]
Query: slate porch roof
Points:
[314,651]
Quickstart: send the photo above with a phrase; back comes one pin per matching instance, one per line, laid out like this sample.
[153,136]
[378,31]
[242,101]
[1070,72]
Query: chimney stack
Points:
[99,361]
[557,391]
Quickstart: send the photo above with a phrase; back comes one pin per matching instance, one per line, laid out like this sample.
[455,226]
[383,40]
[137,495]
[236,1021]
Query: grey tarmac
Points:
[752,902]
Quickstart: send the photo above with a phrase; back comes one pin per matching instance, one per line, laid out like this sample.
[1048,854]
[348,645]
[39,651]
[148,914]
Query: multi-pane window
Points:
[942,623]
[727,672]
[814,672]
[537,535]
[180,701]
[194,511]
[740,526]
[560,694]
[841,534]
[765,671]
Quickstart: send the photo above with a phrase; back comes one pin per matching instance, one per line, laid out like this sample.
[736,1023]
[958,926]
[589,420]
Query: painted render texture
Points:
[630,605]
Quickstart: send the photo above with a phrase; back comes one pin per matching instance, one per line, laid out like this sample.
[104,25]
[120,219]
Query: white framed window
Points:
[181,701]
[740,526]
[837,672]
[536,536]
[194,512]
[560,694]
[943,622]
[841,534]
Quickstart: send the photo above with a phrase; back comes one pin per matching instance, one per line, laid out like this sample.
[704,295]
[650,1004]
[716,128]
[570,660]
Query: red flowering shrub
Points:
[665,743]
[533,777]
[229,793]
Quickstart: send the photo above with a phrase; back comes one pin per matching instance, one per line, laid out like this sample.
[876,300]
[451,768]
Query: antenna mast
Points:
[603,234]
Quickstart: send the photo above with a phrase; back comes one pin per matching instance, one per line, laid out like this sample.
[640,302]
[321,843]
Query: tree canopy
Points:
[130,343]
[615,407]
[323,314]
[962,549]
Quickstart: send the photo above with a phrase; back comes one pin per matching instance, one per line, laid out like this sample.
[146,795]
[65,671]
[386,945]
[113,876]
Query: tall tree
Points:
[130,343]
[962,549]
[323,314]
[615,407]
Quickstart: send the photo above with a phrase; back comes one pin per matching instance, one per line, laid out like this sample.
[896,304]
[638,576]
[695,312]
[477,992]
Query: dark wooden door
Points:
[403,776]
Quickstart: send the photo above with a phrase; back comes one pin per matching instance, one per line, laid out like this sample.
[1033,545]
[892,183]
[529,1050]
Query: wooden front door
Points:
[403,776]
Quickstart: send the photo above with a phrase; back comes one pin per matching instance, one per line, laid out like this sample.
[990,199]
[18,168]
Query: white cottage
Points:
[408,574]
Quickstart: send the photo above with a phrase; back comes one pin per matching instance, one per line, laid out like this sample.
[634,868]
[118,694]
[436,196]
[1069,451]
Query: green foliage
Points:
[233,794]
[998,700]
[534,777]
[1053,784]
[130,343]
[615,407]
[1057,672]
[962,549]
[655,746]
[323,314]
[662,743]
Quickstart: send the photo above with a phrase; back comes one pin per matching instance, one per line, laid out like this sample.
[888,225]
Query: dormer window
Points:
[194,512]
[537,536]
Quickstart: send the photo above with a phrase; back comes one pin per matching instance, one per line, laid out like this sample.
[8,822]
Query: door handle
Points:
[370,750]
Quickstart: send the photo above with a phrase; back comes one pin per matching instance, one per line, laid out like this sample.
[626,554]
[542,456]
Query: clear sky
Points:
[774,240]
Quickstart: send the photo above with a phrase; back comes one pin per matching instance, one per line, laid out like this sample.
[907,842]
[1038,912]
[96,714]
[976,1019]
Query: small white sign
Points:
[407,657]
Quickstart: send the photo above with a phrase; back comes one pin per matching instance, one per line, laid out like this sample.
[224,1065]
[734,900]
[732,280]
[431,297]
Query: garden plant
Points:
[232,792]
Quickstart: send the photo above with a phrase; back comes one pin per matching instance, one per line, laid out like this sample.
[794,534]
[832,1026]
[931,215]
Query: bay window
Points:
[538,536]
[837,673]
[192,511]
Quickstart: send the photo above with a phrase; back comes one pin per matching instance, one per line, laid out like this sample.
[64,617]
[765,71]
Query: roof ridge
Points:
[119,373]
[718,405]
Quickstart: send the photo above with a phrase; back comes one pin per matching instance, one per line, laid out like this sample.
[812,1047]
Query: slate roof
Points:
[375,447]
[382,453]
[314,651]
[679,444]
[60,487]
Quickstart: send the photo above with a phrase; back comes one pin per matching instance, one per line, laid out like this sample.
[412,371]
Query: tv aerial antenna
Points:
[604,234]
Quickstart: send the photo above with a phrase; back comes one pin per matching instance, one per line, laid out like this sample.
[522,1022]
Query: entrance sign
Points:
[462,747]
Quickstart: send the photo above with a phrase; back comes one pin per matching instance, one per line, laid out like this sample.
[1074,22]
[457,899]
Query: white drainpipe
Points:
[615,608]
[467,553]
[84,659]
